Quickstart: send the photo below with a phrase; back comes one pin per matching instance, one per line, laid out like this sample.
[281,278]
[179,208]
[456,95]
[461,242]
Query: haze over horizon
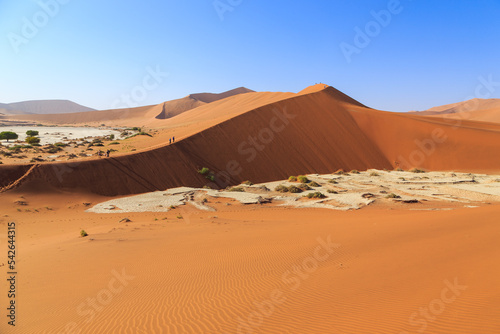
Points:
[390,55]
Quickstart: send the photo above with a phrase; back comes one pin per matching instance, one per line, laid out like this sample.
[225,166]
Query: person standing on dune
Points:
[173,139]
[107,153]
[170,140]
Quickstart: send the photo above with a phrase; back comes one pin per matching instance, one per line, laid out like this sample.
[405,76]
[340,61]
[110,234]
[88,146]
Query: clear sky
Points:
[417,55]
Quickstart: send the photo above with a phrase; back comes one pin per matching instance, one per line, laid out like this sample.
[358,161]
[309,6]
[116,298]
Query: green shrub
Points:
[83,233]
[111,136]
[292,179]
[204,171]
[32,140]
[281,188]
[294,189]
[314,184]
[316,194]
[59,144]
[302,179]
[248,183]
[354,171]
[392,195]
[332,182]
[374,174]
[31,133]
[332,191]
[114,143]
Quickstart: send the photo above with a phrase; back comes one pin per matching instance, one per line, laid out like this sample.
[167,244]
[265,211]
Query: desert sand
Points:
[253,269]
[178,242]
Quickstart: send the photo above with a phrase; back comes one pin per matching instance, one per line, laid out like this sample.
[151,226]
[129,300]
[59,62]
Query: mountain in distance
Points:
[42,107]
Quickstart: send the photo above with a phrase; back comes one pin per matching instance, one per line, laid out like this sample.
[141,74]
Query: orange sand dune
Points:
[252,270]
[483,115]
[316,132]
[483,110]
[138,116]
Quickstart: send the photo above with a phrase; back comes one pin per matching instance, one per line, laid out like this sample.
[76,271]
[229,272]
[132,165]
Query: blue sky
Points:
[425,53]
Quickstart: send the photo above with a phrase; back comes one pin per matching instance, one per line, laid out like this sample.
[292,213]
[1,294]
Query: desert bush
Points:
[204,171]
[341,172]
[399,170]
[31,133]
[281,188]
[83,233]
[114,143]
[32,140]
[392,195]
[374,174]
[294,189]
[314,184]
[111,137]
[304,187]
[332,182]
[302,179]
[59,144]
[416,170]
[354,171]
[292,179]
[248,183]
[316,194]
[332,191]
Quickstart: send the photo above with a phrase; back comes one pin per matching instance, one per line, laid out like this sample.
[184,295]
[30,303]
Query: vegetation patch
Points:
[302,179]
[281,188]
[416,170]
[392,195]
[316,194]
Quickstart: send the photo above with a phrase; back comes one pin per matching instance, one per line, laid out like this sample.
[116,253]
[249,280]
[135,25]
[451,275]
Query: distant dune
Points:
[42,107]
[139,116]
[288,134]
[483,110]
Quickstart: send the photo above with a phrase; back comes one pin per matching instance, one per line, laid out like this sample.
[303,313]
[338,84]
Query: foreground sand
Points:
[253,269]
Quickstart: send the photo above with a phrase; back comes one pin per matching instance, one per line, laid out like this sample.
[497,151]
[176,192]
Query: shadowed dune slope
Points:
[432,143]
[318,132]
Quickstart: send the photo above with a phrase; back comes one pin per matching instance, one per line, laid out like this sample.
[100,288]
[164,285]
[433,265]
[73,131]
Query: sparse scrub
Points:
[374,174]
[281,188]
[83,234]
[292,179]
[237,189]
[354,171]
[333,182]
[248,183]
[316,194]
[416,170]
[302,179]
[314,184]
[304,187]
[294,189]
[32,133]
[332,191]
[392,195]
[341,172]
